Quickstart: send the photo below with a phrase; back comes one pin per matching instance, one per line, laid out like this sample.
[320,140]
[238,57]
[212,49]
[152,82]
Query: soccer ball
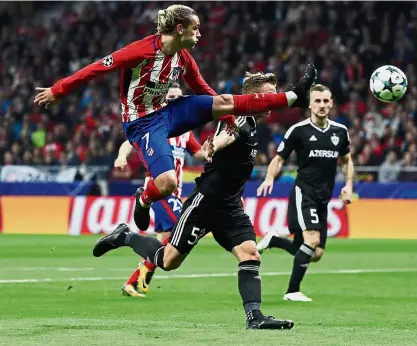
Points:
[388,83]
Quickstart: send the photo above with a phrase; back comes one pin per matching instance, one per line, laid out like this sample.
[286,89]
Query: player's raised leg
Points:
[249,282]
[258,103]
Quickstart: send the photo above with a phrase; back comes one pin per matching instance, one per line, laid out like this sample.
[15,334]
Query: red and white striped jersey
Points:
[180,144]
[146,76]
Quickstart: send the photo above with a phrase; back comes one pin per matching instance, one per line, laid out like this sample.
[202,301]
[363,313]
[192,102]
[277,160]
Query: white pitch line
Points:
[214,275]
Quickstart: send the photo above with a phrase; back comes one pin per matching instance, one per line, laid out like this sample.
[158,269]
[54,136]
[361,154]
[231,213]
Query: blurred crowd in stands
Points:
[346,41]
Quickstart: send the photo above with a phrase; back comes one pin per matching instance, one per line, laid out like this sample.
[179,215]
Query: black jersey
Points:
[224,178]
[317,152]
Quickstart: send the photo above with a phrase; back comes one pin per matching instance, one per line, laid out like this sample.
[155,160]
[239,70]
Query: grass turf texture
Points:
[367,308]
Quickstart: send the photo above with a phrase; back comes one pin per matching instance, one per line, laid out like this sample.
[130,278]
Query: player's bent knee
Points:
[222,104]
[318,254]
[246,251]
[172,258]
[166,183]
[311,238]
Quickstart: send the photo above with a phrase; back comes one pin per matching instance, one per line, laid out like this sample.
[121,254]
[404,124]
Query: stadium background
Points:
[56,178]
[72,146]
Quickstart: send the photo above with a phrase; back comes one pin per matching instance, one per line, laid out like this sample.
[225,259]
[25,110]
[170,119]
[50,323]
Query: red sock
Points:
[133,278]
[150,265]
[151,193]
[258,103]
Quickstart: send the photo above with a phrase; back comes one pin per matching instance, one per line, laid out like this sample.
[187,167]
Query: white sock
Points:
[143,204]
[291,97]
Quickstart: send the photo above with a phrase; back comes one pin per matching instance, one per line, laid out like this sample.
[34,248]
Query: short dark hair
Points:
[252,81]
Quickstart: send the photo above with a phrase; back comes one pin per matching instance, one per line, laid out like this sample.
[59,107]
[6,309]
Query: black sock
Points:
[249,283]
[301,261]
[147,247]
[285,244]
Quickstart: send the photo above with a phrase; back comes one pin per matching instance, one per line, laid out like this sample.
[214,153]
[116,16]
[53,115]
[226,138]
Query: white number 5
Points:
[315,218]
[147,140]
[196,233]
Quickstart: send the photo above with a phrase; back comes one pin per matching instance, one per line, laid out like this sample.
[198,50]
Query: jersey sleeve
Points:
[346,143]
[193,77]
[192,144]
[126,57]
[288,144]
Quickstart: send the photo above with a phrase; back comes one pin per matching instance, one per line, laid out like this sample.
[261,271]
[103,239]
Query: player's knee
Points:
[223,100]
[166,183]
[247,252]
[170,265]
[311,238]
[222,104]
[318,254]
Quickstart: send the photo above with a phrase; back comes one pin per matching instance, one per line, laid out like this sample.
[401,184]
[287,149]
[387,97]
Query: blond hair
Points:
[168,19]
[253,81]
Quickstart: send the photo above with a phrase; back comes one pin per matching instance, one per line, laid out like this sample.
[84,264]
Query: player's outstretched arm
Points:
[273,170]
[124,152]
[128,56]
[349,171]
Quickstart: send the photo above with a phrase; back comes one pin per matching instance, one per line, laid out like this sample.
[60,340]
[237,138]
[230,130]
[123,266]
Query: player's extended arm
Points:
[273,170]
[124,152]
[128,56]
[349,171]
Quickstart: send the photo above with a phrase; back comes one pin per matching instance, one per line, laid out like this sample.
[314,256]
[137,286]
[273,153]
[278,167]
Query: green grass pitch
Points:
[54,292]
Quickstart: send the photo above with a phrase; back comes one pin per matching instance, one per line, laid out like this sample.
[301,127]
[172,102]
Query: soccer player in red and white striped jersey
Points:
[148,68]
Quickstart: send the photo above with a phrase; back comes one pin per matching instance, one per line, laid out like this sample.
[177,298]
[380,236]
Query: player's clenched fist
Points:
[120,163]
[265,188]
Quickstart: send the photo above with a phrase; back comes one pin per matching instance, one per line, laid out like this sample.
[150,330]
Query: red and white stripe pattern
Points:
[179,145]
[149,84]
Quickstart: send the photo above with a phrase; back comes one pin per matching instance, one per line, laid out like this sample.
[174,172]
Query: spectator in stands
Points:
[330,34]
[390,168]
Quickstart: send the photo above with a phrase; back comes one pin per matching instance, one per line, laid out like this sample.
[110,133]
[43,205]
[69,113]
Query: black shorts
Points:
[230,226]
[306,212]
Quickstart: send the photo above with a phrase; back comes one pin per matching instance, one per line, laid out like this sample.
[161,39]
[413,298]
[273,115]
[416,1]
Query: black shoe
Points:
[141,214]
[268,322]
[302,89]
[111,241]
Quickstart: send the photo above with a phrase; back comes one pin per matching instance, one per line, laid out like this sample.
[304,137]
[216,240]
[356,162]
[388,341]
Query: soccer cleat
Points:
[266,241]
[268,322]
[145,277]
[297,297]
[111,241]
[141,214]
[302,88]
[131,291]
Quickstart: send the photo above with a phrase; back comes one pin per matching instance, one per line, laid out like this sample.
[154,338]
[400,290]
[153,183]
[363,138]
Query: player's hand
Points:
[208,149]
[44,97]
[120,163]
[232,128]
[265,188]
[346,194]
